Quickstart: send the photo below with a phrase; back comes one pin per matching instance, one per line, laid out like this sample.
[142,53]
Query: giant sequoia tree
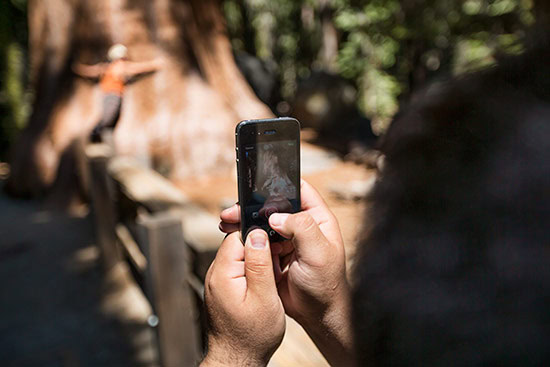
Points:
[180,118]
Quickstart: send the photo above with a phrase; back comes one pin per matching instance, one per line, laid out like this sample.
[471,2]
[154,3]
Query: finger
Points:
[229,261]
[230,251]
[285,261]
[315,205]
[310,197]
[308,240]
[276,248]
[283,291]
[228,227]
[258,264]
[286,247]
[231,214]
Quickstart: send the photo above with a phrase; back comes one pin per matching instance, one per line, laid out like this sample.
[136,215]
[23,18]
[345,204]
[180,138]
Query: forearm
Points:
[84,74]
[136,68]
[333,333]
[87,71]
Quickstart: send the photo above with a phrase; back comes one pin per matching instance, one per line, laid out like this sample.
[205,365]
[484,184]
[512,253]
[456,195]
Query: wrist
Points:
[332,332]
[222,354]
[334,323]
[227,361]
[336,311]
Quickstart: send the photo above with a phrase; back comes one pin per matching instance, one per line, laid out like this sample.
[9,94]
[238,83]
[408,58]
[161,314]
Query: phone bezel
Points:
[250,132]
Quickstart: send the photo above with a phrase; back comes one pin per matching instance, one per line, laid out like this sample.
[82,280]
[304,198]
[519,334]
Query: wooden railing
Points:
[167,241]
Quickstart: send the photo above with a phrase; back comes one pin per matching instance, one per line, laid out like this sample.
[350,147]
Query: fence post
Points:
[103,199]
[161,236]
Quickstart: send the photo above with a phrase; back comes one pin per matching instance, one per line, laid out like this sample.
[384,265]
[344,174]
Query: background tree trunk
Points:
[180,119]
[542,17]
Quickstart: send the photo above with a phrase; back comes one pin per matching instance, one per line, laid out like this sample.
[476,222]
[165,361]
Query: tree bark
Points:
[541,9]
[213,50]
[180,119]
[329,49]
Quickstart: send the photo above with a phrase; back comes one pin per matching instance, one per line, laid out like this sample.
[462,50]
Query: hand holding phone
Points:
[313,285]
[268,167]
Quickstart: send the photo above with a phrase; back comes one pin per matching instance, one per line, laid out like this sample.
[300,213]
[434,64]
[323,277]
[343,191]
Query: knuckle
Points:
[228,237]
[234,236]
[304,221]
[211,282]
[208,289]
[214,287]
[209,272]
[256,266]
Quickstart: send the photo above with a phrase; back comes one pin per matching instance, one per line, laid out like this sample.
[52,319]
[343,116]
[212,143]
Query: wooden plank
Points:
[103,200]
[131,248]
[144,185]
[154,192]
[161,238]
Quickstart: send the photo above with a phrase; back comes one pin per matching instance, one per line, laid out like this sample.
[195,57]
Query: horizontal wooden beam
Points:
[145,186]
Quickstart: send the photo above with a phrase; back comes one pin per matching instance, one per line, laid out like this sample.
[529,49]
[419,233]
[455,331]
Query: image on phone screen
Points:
[272,180]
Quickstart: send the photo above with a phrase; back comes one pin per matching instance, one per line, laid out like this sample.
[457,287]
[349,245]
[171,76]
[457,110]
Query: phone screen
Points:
[270,174]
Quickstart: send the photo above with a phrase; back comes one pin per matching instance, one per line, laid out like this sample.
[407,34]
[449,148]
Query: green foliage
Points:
[387,48]
[279,34]
[14,88]
[14,104]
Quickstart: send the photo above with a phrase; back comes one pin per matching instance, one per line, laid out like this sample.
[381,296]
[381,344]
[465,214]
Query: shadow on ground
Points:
[53,309]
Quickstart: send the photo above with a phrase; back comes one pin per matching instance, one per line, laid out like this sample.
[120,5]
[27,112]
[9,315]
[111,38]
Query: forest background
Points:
[387,49]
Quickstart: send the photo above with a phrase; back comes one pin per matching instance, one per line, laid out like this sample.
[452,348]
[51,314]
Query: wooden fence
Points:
[168,242]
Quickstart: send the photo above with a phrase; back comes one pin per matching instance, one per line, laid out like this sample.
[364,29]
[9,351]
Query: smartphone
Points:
[268,171]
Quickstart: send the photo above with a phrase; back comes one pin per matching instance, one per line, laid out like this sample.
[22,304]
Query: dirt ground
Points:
[57,306]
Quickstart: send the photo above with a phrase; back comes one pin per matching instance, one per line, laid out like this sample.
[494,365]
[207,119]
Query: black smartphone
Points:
[268,171]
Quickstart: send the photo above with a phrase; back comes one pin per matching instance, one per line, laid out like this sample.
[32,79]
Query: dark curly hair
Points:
[455,269]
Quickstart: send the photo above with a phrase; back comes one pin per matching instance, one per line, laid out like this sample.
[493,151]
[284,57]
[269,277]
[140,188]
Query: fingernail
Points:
[258,241]
[278,219]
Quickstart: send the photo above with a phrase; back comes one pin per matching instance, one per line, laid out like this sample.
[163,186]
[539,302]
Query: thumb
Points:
[258,264]
[306,236]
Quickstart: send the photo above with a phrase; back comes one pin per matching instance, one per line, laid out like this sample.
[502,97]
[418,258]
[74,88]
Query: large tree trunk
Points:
[179,119]
[541,9]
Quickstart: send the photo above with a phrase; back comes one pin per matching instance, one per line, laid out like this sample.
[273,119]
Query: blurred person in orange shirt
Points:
[113,77]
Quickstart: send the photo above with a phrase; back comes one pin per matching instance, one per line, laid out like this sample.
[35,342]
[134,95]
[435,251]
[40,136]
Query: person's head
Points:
[117,52]
[455,268]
